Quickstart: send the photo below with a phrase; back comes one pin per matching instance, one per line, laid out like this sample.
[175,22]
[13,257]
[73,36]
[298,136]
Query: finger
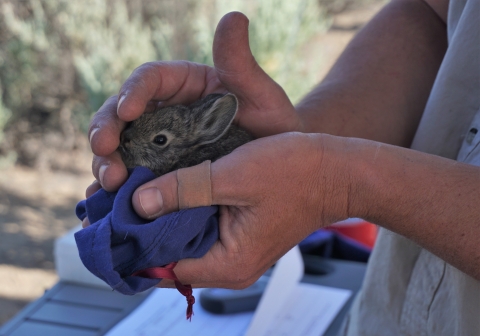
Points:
[234,61]
[215,269]
[157,197]
[110,171]
[105,129]
[166,283]
[92,188]
[193,187]
[168,82]
[187,275]
[203,272]
[189,187]
[85,222]
[240,73]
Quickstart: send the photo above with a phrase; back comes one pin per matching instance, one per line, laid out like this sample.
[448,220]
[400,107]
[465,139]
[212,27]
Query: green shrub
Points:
[277,31]
[58,55]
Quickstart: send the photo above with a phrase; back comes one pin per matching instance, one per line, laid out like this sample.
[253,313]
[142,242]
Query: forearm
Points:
[379,86]
[428,199]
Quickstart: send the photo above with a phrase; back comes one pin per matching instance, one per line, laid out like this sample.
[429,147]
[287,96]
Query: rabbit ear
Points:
[214,121]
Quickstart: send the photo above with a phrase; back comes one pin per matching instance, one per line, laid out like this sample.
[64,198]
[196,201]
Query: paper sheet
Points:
[286,275]
[309,310]
[287,308]
[163,313]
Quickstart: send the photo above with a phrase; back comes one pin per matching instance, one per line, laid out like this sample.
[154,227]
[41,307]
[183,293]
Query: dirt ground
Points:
[37,207]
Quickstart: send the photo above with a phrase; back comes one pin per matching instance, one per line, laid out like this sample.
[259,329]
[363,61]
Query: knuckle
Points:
[107,105]
[108,108]
[97,162]
[112,99]
[149,65]
[145,70]
[143,80]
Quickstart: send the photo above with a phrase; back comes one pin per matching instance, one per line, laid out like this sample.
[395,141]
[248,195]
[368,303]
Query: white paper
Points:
[309,310]
[163,313]
[286,274]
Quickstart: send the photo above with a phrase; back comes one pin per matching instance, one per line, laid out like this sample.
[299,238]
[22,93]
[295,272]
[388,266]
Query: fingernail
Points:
[120,101]
[92,133]
[101,173]
[151,201]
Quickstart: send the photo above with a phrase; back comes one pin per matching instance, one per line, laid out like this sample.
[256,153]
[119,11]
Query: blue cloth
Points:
[119,242]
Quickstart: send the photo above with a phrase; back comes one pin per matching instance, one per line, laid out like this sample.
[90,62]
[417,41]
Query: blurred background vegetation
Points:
[61,59]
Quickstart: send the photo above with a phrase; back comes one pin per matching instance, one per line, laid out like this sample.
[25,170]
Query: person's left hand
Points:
[264,108]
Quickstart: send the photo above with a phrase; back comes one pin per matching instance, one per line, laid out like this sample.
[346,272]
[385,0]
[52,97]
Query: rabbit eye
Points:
[160,140]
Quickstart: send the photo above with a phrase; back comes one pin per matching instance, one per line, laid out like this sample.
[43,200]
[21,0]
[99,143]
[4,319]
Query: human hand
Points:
[272,192]
[264,108]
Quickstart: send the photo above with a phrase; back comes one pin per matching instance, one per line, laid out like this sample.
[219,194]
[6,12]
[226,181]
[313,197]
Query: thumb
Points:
[236,67]
[157,197]
[264,107]
[185,188]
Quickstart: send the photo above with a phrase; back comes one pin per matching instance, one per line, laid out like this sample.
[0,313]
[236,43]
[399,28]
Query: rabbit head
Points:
[181,136]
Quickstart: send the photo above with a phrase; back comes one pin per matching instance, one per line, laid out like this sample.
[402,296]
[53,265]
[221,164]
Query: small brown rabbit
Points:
[182,136]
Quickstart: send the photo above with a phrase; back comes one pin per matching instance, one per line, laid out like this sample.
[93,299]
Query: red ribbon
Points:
[166,272]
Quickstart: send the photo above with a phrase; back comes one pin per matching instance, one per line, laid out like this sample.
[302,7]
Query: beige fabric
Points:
[194,186]
[455,97]
[407,290]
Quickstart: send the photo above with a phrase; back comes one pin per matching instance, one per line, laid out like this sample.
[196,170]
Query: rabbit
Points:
[182,136]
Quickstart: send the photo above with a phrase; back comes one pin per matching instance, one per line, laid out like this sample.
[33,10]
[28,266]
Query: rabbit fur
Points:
[182,136]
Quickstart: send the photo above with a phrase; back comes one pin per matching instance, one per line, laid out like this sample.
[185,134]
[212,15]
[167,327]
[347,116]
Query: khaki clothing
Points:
[408,290]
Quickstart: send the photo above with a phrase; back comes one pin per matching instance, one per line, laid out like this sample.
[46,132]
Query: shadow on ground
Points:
[29,227]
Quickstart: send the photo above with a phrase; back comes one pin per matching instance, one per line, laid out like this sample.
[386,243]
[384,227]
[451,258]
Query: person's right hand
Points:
[271,193]
[264,108]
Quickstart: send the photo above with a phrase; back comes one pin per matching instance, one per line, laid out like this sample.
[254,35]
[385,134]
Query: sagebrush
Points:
[61,59]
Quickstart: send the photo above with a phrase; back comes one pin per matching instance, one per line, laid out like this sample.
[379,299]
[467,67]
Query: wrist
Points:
[336,177]
[352,163]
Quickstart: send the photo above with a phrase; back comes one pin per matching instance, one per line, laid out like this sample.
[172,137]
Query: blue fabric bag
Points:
[119,242]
